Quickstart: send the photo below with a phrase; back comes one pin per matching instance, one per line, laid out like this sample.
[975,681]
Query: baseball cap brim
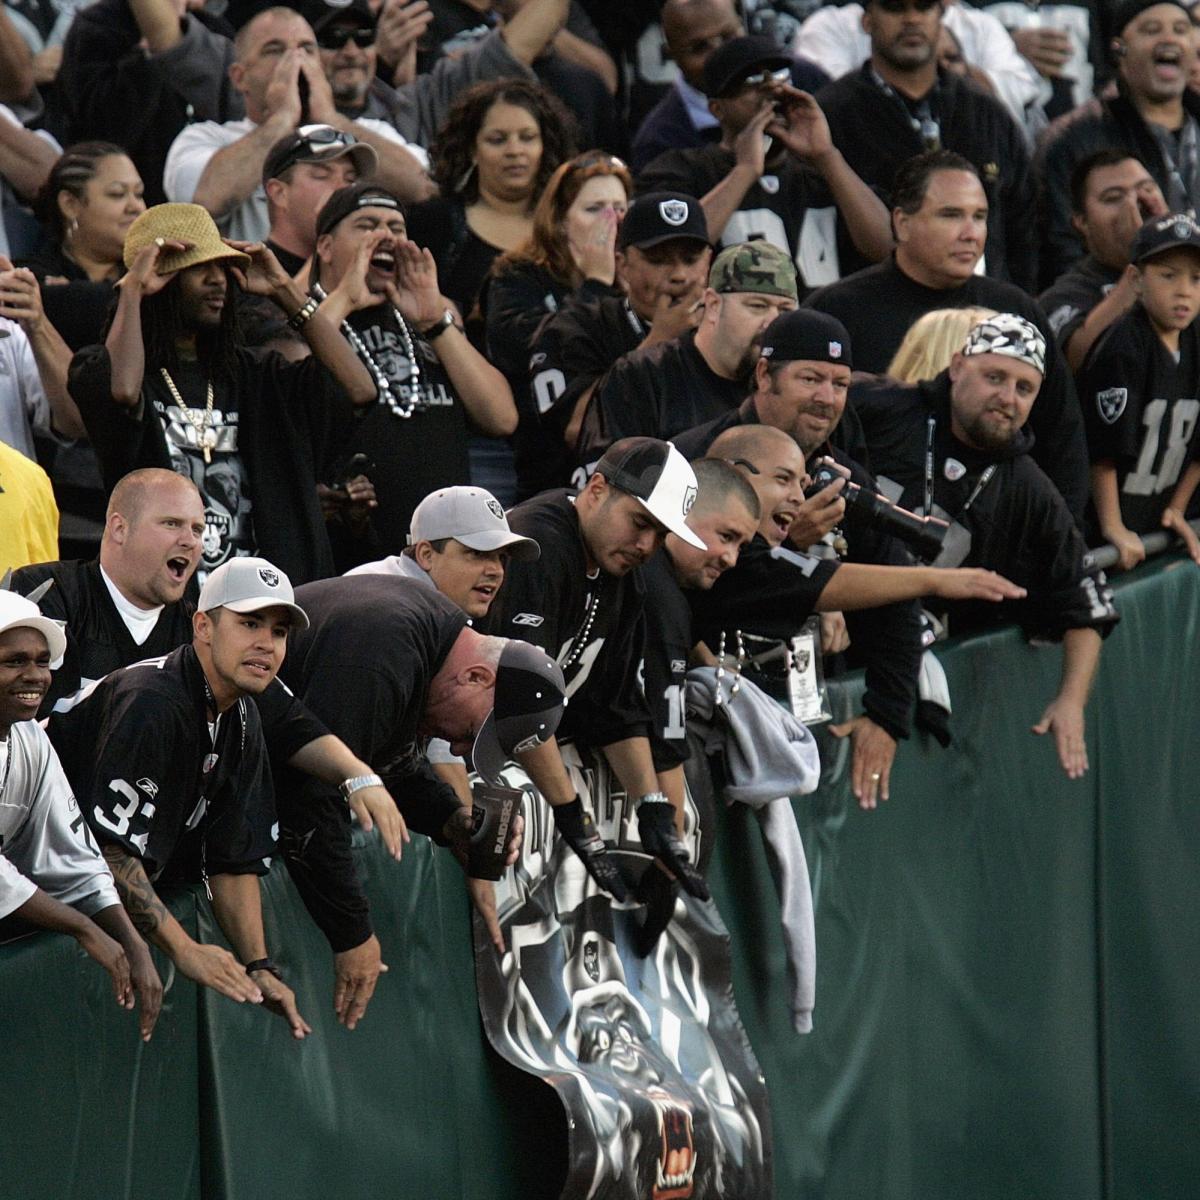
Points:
[51,630]
[1150,252]
[522,549]
[259,603]
[669,500]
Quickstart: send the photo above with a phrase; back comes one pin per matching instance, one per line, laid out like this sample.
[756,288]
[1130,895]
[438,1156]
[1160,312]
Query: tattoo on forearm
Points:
[145,909]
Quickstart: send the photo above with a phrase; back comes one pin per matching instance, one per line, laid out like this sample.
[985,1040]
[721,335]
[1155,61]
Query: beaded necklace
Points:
[580,641]
[739,662]
[400,408]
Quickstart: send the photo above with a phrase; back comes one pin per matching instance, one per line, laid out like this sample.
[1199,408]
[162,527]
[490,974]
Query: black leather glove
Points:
[660,838]
[657,891]
[579,830]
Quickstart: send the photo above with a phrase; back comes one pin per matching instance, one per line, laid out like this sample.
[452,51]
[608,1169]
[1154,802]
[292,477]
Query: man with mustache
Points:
[662,390]
[430,379]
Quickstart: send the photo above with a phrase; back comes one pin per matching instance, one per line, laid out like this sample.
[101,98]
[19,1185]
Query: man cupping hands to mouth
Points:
[429,377]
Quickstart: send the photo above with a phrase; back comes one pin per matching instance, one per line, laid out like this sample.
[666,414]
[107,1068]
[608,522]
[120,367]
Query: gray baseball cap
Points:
[529,703]
[471,516]
[245,585]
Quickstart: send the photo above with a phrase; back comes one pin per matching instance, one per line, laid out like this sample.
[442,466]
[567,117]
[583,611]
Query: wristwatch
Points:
[438,327]
[356,783]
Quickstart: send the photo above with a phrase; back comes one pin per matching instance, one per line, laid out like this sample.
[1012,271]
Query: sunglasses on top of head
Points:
[336,39]
[758,78]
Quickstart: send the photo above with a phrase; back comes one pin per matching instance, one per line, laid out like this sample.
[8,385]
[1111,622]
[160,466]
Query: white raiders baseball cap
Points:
[471,516]
[246,585]
[655,473]
[16,612]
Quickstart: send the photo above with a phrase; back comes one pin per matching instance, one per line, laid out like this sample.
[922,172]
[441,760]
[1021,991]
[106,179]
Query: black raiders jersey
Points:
[668,642]
[1141,409]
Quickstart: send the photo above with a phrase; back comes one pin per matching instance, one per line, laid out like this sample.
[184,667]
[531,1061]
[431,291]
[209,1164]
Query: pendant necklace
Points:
[400,408]
[199,420]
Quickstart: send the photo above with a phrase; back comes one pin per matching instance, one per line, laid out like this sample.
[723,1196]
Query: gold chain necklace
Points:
[201,422]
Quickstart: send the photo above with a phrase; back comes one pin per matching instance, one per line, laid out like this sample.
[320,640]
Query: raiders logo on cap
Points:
[1111,403]
[674,212]
[689,498]
[1183,228]
[269,577]
[495,509]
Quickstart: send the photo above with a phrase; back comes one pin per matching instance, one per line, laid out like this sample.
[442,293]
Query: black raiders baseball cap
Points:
[351,198]
[320,13]
[316,144]
[655,473]
[530,697]
[806,335]
[1161,234]
[659,217]
[732,65]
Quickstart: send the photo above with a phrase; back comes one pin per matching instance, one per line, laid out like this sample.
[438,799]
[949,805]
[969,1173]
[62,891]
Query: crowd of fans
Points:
[786,335]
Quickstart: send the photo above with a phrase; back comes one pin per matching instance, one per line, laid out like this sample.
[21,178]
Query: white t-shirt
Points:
[139,621]
[196,144]
[24,408]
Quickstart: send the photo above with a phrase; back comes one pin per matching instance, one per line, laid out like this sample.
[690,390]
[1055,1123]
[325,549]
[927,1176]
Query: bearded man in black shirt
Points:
[960,440]
[940,216]
[661,391]
[431,381]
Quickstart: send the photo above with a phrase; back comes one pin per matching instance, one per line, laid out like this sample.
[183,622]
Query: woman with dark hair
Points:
[501,142]
[86,206]
[571,249]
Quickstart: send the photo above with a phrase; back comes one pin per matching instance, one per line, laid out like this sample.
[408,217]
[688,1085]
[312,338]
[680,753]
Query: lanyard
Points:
[925,125]
[985,476]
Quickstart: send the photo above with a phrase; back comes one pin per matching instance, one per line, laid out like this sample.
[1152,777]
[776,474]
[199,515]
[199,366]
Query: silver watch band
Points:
[356,783]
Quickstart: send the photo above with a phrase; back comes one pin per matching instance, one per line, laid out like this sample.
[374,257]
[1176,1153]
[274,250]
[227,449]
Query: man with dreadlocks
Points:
[174,386]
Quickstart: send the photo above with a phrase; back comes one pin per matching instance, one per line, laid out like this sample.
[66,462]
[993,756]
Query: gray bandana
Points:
[1006,333]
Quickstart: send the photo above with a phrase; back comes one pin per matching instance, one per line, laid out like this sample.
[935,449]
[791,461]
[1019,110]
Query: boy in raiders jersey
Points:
[1140,391]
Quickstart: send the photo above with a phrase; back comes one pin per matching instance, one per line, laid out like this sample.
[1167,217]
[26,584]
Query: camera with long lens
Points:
[923,535]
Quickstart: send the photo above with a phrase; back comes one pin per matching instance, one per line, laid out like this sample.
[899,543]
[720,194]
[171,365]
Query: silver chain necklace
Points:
[400,408]
[199,419]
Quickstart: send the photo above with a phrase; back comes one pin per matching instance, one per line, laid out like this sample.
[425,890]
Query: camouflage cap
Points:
[754,267]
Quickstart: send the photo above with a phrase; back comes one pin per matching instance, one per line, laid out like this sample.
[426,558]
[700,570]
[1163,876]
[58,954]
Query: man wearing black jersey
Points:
[167,761]
[1141,396]
[940,214]
[662,264]
[430,379]
[800,387]
[774,589]
[1112,196]
[660,391]
[582,603]
[958,444]
[775,174]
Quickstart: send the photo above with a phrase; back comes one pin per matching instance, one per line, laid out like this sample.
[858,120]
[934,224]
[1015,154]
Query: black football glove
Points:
[579,830]
[660,838]
[657,891]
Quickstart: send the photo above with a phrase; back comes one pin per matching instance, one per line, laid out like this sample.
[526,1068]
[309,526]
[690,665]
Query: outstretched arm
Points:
[1064,714]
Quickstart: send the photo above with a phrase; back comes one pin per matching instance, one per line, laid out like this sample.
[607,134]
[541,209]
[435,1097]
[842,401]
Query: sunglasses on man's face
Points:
[759,78]
[336,39]
[900,6]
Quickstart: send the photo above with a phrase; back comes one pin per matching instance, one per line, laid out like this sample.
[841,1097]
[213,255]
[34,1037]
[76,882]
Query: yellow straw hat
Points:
[181,223]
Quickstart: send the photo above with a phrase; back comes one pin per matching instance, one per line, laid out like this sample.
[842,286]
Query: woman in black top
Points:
[494,155]
[572,248]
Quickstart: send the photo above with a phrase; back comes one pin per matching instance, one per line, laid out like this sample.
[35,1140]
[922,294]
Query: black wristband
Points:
[264,964]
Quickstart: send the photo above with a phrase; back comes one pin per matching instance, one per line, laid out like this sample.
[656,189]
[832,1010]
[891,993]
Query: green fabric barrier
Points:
[87,1110]
[1004,1008]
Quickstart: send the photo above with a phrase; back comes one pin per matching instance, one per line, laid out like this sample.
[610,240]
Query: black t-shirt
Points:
[655,392]
[99,642]
[668,642]
[416,455]
[279,426]
[790,207]
[153,775]
[1018,523]
[592,625]
[1141,409]
[1069,299]
[879,305]
[570,351]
